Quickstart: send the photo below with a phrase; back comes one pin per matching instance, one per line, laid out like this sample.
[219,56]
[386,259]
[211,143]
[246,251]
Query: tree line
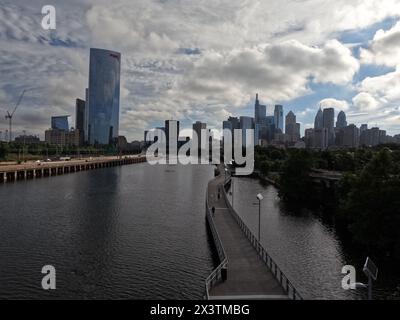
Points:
[364,204]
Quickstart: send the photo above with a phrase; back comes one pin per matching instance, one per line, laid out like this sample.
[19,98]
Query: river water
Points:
[130,232]
[307,250]
[139,232]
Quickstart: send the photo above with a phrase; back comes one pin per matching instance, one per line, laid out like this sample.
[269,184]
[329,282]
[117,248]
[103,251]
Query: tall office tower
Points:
[198,127]
[278,114]
[246,123]
[374,136]
[235,122]
[319,120]
[172,136]
[60,123]
[260,111]
[363,128]
[382,137]
[351,136]
[309,138]
[292,128]
[104,91]
[341,120]
[321,138]
[80,113]
[329,124]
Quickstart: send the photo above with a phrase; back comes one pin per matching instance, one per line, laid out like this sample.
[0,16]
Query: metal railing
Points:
[215,276]
[287,286]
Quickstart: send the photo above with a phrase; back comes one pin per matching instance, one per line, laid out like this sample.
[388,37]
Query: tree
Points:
[372,206]
[295,182]
[3,151]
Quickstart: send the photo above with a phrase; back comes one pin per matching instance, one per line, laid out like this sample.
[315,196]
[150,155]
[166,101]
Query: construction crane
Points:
[9,115]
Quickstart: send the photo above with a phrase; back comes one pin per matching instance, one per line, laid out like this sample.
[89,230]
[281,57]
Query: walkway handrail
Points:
[266,258]
[216,275]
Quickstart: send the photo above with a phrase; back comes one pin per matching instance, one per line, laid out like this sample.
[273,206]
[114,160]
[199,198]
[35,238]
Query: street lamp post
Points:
[259,198]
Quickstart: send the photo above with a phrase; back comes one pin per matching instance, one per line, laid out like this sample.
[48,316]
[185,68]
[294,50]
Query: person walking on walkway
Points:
[213,211]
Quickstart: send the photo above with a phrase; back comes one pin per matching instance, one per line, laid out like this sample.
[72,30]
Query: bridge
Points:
[245,270]
[32,170]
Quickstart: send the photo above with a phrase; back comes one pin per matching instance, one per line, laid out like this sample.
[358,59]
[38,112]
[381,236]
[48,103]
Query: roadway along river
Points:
[130,232]
[307,250]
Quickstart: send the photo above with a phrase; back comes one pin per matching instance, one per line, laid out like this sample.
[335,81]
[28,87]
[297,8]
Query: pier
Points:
[10,173]
[245,270]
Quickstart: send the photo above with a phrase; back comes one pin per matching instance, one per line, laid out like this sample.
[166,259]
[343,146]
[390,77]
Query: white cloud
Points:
[379,92]
[280,71]
[240,46]
[384,49]
[341,105]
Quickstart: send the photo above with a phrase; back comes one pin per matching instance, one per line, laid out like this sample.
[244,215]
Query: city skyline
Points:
[345,64]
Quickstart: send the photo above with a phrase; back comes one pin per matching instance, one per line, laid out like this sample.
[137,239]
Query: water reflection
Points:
[134,232]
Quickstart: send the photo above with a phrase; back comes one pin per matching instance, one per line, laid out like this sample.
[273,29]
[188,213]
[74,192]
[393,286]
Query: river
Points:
[130,232]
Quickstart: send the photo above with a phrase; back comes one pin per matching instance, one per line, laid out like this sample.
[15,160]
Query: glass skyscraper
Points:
[60,123]
[103,97]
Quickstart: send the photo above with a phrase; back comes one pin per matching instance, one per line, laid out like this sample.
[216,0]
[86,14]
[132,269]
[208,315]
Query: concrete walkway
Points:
[248,276]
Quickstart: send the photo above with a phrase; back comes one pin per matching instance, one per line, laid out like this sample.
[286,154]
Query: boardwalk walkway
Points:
[247,275]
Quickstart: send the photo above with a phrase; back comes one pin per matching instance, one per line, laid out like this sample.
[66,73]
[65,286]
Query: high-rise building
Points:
[292,128]
[321,138]
[309,138]
[260,111]
[319,120]
[62,137]
[351,136]
[172,134]
[103,97]
[60,123]
[278,114]
[341,120]
[80,113]
[246,123]
[329,124]
[363,127]
[198,127]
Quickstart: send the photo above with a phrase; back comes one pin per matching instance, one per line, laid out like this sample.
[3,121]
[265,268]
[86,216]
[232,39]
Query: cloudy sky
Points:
[205,60]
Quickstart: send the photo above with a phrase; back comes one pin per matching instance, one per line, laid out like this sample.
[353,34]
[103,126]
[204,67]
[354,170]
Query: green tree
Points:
[295,182]
[3,151]
[372,205]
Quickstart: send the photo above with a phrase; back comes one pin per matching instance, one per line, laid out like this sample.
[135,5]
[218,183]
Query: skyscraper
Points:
[341,120]
[60,123]
[172,136]
[318,122]
[246,123]
[329,124]
[104,93]
[80,113]
[292,128]
[198,127]
[278,114]
[351,136]
[260,111]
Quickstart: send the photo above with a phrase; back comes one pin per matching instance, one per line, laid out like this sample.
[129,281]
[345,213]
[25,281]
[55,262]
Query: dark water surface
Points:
[130,232]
